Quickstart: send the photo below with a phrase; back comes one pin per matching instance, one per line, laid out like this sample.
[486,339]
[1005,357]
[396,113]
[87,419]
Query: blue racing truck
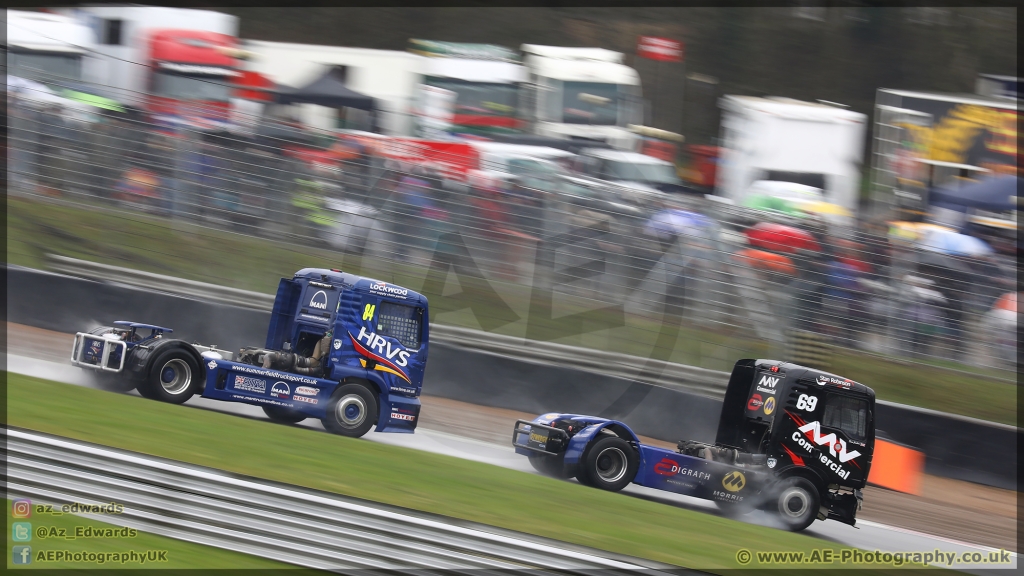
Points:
[791,440]
[348,350]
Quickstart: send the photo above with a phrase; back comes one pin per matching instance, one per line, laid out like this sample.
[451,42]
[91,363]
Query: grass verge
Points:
[68,533]
[398,476]
[204,254]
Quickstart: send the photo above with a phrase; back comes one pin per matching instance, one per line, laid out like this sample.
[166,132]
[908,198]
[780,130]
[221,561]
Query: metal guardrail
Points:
[702,381]
[283,523]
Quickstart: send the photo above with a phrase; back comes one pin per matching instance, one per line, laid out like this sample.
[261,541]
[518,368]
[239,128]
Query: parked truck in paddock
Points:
[348,350]
[791,440]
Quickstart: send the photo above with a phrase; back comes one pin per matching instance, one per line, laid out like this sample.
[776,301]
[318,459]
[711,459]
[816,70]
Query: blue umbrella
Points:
[994,194]
[673,222]
[953,243]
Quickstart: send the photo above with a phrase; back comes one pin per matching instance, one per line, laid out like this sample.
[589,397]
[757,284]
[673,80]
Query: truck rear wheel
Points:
[352,411]
[796,502]
[283,415]
[174,377]
[609,463]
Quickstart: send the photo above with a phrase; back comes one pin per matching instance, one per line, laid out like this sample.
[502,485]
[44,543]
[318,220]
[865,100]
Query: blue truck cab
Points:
[348,350]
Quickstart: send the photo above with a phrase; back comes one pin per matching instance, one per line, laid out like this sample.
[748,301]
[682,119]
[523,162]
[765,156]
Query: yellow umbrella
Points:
[913,230]
[824,208]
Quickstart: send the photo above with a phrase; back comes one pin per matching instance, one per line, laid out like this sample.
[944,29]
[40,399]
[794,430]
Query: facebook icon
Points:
[21,554]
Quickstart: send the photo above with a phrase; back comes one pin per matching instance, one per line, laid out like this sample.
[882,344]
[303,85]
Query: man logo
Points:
[319,300]
[734,481]
[769,405]
[368,311]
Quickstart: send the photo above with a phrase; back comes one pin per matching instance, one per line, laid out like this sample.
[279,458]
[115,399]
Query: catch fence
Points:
[536,249]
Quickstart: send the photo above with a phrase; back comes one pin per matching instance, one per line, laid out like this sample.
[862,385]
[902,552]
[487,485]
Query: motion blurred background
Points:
[837,186]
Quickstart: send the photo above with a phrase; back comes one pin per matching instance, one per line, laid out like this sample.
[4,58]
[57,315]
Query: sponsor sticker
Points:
[772,462]
[669,467]
[734,481]
[319,300]
[305,399]
[755,402]
[307,391]
[248,384]
[384,288]
[406,417]
[337,344]
[280,390]
[403,390]
[211,364]
[843,382]
[767,384]
[769,405]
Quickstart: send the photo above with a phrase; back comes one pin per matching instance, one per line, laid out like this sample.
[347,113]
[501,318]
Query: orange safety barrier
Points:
[897,468]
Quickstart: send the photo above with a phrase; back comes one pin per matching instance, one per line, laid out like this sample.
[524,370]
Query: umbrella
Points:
[956,244]
[823,208]
[772,203]
[672,222]
[995,194]
[93,100]
[781,238]
[913,230]
[761,260]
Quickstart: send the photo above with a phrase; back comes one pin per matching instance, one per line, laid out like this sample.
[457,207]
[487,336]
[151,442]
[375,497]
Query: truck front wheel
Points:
[352,411]
[797,503]
[610,464]
[173,378]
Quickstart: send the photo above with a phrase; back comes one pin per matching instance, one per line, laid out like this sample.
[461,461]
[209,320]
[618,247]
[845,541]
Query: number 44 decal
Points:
[806,402]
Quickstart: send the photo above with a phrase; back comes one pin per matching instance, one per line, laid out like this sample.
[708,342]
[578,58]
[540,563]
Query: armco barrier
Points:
[956,447]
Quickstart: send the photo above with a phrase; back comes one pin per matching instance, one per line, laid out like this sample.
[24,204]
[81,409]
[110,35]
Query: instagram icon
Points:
[21,509]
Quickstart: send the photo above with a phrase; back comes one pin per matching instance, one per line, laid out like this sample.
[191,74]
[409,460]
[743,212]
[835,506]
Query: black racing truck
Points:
[791,440]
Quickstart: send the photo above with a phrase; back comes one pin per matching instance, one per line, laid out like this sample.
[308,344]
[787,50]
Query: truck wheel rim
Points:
[611,464]
[175,376]
[794,503]
[351,411]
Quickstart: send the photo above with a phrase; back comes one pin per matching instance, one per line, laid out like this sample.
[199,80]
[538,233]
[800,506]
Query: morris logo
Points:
[734,481]
[835,445]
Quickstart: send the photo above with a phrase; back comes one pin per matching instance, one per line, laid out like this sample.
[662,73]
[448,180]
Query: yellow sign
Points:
[539,438]
[734,481]
[368,312]
[769,405]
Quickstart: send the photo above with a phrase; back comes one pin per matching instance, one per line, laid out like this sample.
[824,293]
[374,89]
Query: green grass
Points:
[204,254]
[178,554]
[398,476]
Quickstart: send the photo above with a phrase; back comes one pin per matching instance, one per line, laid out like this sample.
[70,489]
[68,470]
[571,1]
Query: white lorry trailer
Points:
[582,94]
[793,141]
[45,47]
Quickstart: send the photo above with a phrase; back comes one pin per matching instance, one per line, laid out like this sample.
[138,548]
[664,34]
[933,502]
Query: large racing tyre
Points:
[352,411]
[174,377]
[610,463]
[796,502]
[283,415]
[553,466]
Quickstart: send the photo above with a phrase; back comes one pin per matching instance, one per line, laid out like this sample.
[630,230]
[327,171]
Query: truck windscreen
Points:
[847,414]
[44,66]
[595,103]
[182,87]
[401,322]
[639,172]
[479,98]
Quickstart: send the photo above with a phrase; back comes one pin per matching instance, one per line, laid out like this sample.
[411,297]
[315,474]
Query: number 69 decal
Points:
[805,402]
